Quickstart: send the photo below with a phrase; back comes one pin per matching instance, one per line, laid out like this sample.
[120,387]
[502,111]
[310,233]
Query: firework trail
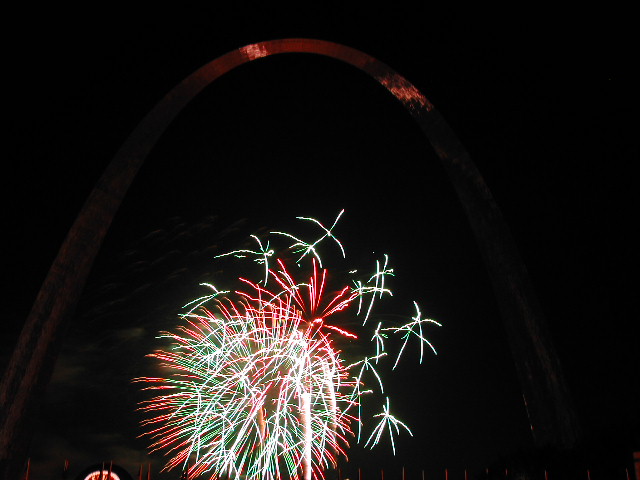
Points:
[256,386]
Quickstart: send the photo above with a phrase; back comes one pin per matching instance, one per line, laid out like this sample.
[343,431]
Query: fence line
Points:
[497,473]
[617,473]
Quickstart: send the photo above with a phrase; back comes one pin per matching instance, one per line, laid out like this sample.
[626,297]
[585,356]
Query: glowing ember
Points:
[255,383]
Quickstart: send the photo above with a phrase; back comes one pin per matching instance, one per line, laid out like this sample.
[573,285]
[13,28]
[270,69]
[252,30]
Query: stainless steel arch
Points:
[30,367]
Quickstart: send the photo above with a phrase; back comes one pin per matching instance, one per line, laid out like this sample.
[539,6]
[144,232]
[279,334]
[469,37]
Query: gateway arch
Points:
[29,370]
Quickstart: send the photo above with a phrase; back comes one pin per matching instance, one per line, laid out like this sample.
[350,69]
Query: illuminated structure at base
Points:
[30,367]
[105,471]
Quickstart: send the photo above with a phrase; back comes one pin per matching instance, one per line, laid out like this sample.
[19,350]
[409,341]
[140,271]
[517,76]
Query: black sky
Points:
[545,106]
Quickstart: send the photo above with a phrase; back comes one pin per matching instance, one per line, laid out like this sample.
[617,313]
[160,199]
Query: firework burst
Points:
[256,386]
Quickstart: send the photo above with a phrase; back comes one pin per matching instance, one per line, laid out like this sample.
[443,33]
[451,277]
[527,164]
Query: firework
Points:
[256,385]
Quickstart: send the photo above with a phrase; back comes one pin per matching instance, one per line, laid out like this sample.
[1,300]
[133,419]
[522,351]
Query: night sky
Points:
[545,107]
